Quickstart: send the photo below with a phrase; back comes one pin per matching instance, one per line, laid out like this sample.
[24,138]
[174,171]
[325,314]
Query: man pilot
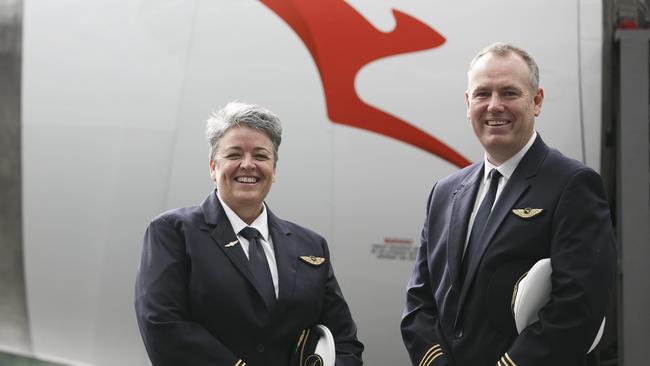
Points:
[488,223]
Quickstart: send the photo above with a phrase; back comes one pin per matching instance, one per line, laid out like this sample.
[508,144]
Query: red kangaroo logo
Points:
[341,41]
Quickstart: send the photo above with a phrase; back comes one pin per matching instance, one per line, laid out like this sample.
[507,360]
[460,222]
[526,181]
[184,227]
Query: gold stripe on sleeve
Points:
[512,363]
[434,355]
[240,363]
[426,358]
[302,335]
[302,350]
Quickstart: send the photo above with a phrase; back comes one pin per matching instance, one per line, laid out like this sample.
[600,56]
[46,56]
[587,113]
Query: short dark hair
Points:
[503,49]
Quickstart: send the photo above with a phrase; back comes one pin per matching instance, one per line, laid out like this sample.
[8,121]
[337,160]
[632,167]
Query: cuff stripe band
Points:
[506,361]
[433,357]
[300,339]
[302,349]
[434,352]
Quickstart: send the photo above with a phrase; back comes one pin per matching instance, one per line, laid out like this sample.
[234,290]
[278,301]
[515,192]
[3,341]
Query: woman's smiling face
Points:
[243,168]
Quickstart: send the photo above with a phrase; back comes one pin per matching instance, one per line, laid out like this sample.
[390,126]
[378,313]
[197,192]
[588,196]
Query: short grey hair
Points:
[504,49]
[236,114]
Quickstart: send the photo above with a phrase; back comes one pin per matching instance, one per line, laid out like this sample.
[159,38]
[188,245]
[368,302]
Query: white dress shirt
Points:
[261,224]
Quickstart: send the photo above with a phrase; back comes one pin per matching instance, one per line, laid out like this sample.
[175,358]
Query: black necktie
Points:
[480,220]
[259,265]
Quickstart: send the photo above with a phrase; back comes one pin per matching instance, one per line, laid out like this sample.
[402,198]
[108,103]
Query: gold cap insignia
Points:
[314,360]
[314,261]
[231,244]
[527,213]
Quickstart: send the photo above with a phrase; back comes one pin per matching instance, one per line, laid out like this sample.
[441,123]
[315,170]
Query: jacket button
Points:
[260,348]
[459,333]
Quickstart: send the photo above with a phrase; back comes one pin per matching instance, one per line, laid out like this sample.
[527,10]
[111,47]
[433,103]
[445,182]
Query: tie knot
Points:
[249,233]
[495,175]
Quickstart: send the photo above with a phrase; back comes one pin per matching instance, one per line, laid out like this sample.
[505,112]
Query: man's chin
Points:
[499,152]
[497,143]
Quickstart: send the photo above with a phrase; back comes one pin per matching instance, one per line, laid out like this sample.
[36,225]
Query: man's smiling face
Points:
[243,168]
[501,104]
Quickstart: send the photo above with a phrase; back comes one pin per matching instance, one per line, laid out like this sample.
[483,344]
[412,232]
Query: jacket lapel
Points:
[515,187]
[221,231]
[285,257]
[463,200]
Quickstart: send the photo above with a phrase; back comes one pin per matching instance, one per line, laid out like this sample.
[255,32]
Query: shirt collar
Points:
[260,223]
[508,167]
